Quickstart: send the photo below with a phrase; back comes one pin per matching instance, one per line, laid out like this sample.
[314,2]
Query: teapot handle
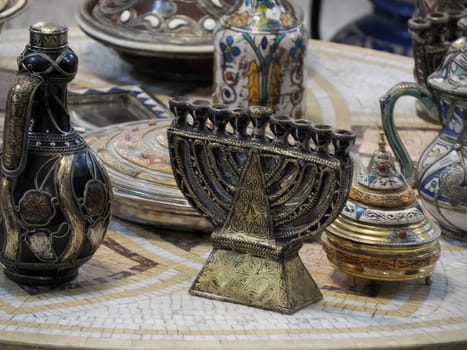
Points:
[387,103]
[17,120]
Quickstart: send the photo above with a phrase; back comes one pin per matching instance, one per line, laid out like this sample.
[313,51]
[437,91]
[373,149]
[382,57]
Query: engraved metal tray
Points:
[135,155]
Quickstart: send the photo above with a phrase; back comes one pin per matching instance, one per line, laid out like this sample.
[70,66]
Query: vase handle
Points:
[17,120]
[387,103]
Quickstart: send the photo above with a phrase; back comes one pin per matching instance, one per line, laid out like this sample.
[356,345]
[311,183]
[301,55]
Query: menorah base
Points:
[280,283]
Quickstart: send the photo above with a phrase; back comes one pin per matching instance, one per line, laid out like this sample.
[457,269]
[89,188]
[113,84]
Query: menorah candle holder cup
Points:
[266,182]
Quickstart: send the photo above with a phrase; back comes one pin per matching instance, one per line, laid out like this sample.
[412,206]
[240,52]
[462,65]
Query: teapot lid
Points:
[381,171]
[381,185]
[451,76]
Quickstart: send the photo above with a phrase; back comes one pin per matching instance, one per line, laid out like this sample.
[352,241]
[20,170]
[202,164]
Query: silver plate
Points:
[136,157]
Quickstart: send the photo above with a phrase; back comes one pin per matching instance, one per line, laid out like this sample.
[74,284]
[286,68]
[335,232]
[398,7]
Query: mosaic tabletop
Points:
[133,294]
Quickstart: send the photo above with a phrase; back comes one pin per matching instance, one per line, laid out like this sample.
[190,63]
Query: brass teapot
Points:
[54,194]
[441,172]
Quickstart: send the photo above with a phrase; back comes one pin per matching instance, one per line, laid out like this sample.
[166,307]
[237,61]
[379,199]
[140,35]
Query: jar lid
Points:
[381,185]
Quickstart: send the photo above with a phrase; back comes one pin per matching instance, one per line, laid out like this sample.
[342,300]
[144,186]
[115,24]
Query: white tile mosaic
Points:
[149,302]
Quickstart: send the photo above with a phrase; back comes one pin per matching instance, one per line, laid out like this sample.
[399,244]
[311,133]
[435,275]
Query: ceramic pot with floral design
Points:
[55,197]
[259,50]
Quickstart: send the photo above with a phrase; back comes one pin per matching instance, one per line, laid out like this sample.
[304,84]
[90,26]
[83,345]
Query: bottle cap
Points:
[45,35]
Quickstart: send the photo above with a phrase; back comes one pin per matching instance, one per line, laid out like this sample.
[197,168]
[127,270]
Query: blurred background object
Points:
[334,13]
[378,24]
[168,39]
[384,28]
[10,9]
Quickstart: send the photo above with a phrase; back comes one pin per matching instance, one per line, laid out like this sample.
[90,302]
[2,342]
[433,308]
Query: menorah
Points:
[265,191]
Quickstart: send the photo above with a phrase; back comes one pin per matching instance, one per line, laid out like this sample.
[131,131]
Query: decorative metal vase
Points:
[263,196]
[382,232]
[259,50]
[54,194]
[441,173]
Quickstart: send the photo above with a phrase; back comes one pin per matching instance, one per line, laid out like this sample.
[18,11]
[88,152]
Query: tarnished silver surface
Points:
[432,32]
[94,108]
[10,9]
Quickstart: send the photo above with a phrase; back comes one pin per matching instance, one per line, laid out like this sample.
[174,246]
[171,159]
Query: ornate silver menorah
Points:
[265,192]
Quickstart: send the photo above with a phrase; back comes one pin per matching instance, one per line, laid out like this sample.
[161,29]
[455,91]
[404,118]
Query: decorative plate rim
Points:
[12,11]
[99,33]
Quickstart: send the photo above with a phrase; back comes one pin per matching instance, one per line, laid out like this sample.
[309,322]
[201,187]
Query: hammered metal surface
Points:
[263,195]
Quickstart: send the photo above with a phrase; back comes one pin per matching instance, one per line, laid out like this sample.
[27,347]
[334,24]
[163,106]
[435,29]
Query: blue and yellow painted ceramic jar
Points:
[259,50]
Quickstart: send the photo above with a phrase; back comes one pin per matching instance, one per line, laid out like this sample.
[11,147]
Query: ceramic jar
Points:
[55,197]
[259,51]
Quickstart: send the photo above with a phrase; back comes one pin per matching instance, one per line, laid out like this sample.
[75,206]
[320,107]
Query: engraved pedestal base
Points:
[276,281]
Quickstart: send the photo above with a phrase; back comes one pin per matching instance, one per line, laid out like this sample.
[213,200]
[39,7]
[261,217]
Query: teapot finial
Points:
[382,142]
